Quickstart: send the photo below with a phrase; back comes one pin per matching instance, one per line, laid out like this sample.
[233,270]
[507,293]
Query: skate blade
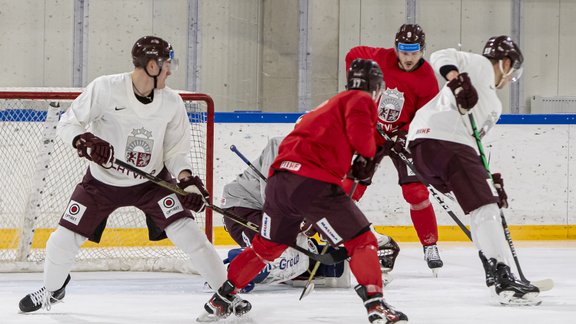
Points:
[206,317]
[435,272]
[387,278]
[530,299]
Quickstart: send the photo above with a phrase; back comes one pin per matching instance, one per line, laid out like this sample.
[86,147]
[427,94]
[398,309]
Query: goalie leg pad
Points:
[187,236]
[61,249]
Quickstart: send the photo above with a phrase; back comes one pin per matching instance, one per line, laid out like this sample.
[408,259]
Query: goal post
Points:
[38,173]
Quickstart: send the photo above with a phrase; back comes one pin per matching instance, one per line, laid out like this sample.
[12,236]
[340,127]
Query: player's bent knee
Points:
[486,214]
[416,195]
[362,241]
[267,250]
[186,234]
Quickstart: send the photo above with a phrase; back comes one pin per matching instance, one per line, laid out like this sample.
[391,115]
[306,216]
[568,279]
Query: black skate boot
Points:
[387,254]
[223,303]
[511,291]
[488,269]
[379,312]
[432,258]
[42,298]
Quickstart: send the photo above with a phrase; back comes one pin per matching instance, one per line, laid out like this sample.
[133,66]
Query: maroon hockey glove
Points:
[499,185]
[464,92]
[198,195]
[307,228]
[363,169]
[381,151]
[400,142]
[94,149]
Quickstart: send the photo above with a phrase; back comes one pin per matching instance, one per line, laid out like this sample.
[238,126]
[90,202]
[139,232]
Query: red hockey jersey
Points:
[405,92]
[323,142]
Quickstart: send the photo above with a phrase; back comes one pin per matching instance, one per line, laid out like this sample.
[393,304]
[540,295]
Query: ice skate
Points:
[379,312]
[432,258]
[42,298]
[511,291]
[223,303]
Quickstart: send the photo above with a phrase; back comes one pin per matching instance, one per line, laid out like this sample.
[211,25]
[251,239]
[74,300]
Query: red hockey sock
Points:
[364,262]
[424,221]
[252,260]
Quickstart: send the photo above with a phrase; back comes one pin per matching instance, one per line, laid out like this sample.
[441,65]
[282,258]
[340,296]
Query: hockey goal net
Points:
[38,173]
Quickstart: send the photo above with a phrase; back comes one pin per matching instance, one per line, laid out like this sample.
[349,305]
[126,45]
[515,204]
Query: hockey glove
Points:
[499,185]
[198,195]
[363,169]
[400,142]
[464,92]
[94,149]
[307,228]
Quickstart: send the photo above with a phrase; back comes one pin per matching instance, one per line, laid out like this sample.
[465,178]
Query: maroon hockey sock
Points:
[424,221]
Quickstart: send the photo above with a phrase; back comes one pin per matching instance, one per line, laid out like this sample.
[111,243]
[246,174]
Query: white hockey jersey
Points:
[247,190]
[440,119]
[148,136]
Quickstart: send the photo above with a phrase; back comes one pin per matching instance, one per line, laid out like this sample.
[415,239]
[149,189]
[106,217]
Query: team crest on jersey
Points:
[139,147]
[390,105]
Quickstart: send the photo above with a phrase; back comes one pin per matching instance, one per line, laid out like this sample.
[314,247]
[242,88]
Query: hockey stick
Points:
[545,284]
[240,155]
[331,258]
[310,283]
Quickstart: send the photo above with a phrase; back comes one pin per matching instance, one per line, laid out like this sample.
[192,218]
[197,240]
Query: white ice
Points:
[458,295]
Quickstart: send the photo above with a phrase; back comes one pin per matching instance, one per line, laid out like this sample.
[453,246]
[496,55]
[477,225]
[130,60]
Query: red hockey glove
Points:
[499,185]
[198,195]
[464,92]
[94,149]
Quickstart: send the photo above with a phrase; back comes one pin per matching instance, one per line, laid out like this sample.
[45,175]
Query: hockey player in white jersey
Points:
[136,117]
[446,153]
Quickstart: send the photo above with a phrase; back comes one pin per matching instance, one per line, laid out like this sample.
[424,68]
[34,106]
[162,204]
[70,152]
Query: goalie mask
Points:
[500,47]
[365,75]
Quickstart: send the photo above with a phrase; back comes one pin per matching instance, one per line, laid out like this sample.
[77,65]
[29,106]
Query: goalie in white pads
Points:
[446,154]
[136,116]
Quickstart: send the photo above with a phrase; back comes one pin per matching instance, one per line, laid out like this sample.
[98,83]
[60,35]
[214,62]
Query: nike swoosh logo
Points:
[119,108]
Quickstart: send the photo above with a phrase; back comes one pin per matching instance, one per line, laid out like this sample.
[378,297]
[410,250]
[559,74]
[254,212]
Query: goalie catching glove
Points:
[198,195]
[499,185]
[464,92]
[94,149]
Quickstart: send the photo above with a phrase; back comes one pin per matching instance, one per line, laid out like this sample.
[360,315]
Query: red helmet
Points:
[364,75]
[410,38]
[151,48]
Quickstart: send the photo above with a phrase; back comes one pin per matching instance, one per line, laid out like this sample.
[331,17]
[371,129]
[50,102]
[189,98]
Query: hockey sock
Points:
[252,260]
[61,249]
[487,232]
[364,262]
[187,236]
[424,221]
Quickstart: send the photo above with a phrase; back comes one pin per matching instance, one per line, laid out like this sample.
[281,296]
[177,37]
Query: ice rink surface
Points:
[458,295]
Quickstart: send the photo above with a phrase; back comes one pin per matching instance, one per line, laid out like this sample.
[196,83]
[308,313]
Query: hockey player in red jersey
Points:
[410,83]
[304,181]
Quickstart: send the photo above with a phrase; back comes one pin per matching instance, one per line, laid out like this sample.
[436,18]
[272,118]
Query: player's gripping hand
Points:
[464,92]
[94,149]
[400,142]
[499,185]
[363,169]
[198,195]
